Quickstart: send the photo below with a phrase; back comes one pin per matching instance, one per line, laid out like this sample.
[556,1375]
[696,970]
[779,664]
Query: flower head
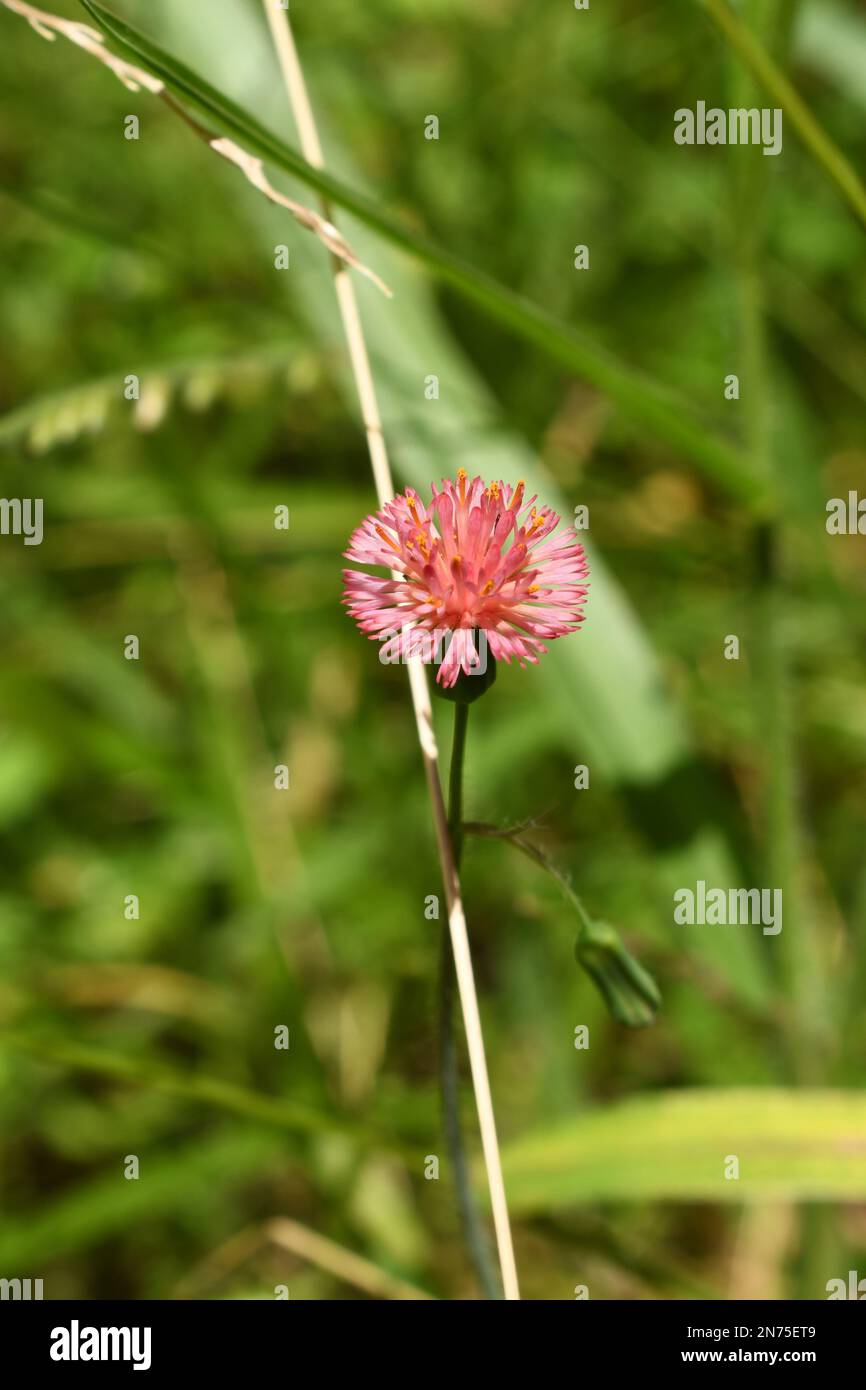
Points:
[476,560]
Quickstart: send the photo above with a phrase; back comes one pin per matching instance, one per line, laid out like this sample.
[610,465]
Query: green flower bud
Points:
[467,688]
[630,992]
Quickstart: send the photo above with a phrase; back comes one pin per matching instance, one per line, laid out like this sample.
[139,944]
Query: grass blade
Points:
[791,1145]
[643,400]
[814,137]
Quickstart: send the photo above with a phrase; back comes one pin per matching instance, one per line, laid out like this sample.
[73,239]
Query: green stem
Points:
[515,838]
[800,970]
[455,781]
[754,55]
[449,1076]
[800,966]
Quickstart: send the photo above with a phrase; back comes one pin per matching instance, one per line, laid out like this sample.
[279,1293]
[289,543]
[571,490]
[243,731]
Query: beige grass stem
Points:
[306,1245]
[296,88]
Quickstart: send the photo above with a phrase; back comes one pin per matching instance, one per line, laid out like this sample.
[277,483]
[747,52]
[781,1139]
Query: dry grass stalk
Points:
[296,88]
[48,26]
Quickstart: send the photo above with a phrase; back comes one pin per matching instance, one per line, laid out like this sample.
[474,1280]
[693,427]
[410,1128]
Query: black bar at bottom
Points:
[154,1339]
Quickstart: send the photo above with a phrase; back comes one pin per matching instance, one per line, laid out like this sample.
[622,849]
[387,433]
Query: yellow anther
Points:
[380,531]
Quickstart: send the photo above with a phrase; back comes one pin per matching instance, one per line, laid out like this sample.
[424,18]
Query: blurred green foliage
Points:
[155,1036]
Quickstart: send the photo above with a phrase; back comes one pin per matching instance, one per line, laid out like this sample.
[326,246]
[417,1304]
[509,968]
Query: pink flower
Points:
[477,559]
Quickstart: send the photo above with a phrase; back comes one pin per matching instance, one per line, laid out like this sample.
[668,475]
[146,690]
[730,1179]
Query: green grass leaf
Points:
[754,55]
[204,1171]
[196,1087]
[791,1146]
[652,405]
